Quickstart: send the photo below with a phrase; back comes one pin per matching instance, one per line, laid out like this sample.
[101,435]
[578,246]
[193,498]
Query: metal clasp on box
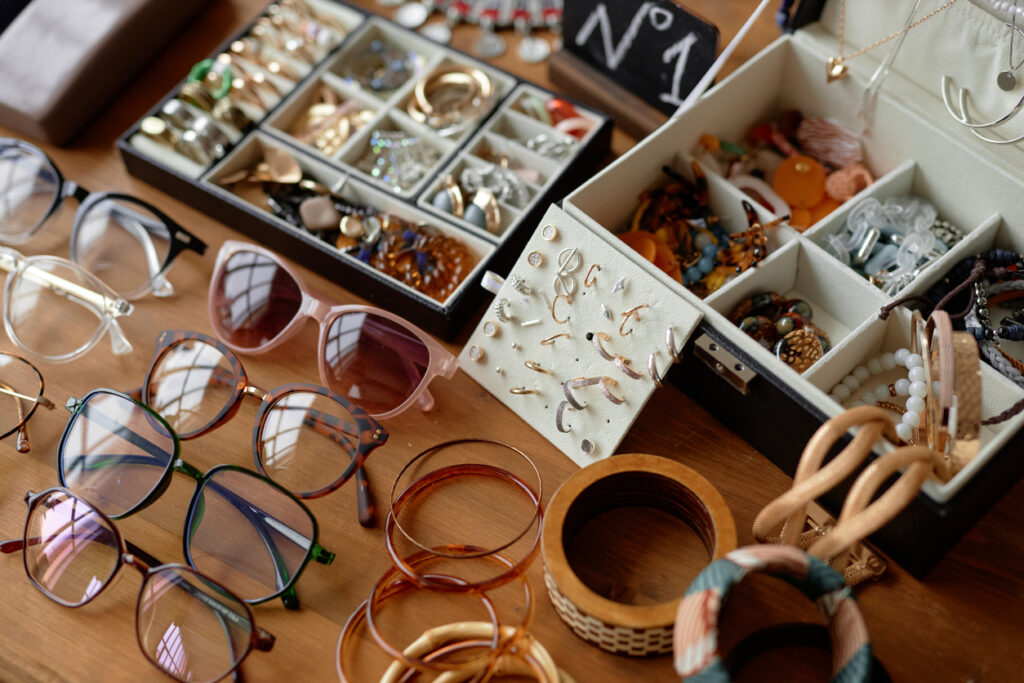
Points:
[730,368]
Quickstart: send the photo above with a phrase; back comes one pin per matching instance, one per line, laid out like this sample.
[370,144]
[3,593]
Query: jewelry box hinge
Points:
[726,365]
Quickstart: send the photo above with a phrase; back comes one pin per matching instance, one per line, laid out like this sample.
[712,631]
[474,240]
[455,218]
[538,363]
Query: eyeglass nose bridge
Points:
[250,390]
[315,308]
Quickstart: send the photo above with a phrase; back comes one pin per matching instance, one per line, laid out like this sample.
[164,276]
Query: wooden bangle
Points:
[626,480]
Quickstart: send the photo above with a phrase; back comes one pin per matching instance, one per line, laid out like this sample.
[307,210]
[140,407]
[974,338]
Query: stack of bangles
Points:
[450,99]
[463,650]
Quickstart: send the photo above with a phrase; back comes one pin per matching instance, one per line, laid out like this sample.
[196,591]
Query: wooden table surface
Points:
[963,623]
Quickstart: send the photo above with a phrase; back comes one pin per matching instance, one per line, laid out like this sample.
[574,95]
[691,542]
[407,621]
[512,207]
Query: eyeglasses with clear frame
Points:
[129,242]
[187,625]
[57,310]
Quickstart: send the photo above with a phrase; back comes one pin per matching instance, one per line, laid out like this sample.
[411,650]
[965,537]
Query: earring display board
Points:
[969,183]
[511,131]
[577,339]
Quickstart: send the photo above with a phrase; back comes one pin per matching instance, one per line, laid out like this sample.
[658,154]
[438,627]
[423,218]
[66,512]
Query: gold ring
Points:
[519,391]
[633,312]
[551,340]
[533,365]
[554,303]
[159,130]
[587,281]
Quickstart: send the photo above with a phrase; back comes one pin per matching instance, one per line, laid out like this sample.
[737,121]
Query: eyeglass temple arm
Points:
[23,444]
[140,227]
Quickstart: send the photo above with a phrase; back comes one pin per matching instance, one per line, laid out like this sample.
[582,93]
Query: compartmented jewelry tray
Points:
[364,115]
[910,150]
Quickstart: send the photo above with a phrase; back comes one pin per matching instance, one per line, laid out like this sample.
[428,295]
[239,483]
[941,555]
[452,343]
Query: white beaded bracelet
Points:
[913,387]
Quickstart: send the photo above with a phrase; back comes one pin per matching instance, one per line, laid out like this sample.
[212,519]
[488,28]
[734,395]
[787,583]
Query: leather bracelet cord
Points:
[697,656]
[634,480]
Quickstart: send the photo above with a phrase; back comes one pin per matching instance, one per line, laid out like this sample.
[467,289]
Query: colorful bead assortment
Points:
[804,166]
[397,159]
[674,228]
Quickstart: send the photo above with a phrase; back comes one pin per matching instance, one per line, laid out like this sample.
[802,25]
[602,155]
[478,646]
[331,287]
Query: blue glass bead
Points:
[710,250]
[706,264]
[693,274]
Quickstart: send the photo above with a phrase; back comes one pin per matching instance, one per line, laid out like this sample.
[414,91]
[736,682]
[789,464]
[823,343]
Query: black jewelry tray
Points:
[505,124]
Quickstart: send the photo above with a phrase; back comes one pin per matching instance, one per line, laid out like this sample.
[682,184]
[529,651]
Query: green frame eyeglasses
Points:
[242,529]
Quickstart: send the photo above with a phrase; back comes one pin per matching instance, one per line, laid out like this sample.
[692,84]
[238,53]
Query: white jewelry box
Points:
[913,146]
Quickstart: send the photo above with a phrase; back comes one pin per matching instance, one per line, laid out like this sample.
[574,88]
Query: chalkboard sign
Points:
[655,49]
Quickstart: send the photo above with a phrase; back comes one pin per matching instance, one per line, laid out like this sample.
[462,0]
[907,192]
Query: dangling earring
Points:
[1006,80]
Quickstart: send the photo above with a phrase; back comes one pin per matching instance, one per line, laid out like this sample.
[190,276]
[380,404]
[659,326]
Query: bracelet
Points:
[438,475]
[914,387]
[696,629]
[436,642]
[464,552]
[390,589]
[391,584]
[626,480]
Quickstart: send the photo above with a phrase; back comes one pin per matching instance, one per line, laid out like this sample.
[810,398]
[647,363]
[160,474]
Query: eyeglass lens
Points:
[115,453]
[190,385]
[122,242]
[189,627]
[254,299]
[374,361]
[51,320]
[247,534]
[28,188]
[20,387]
[71,552]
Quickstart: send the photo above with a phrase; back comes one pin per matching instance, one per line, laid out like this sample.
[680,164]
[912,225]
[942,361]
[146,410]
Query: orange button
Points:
[800,180]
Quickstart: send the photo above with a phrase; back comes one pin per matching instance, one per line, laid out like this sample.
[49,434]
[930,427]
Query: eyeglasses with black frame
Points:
[243,530]
[187,625]
[126,241]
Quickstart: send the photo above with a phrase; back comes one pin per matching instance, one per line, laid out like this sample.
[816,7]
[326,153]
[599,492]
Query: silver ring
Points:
[568,394]
[623,364]
[558,417]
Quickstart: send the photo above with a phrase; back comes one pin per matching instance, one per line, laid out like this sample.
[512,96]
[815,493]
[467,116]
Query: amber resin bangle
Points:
[463,552]
[389,587]
[634,480]
[392,584]
[535,494]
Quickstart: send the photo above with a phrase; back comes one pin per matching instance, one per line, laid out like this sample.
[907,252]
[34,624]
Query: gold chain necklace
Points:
[837,65]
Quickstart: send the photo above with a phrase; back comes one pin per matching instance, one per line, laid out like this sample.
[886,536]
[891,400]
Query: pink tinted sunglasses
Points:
[374,358]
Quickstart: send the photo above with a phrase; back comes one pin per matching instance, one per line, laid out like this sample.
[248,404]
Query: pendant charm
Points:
[836,69]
